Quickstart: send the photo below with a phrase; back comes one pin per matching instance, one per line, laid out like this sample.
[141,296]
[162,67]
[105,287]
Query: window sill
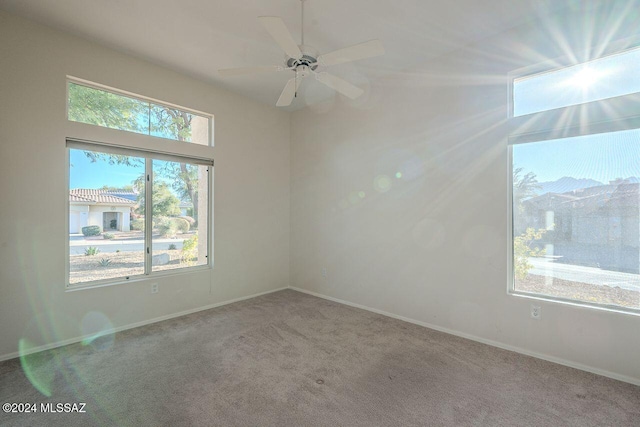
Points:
[137,279]
[582,304]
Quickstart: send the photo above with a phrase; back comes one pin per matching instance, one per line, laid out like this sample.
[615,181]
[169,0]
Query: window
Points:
[107,108]
[575,198]
[134,212]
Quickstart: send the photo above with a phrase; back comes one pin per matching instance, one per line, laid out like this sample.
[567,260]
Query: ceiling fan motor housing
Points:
[309,60]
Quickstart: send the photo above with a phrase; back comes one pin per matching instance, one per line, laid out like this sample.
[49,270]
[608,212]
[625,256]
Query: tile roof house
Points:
[108,209]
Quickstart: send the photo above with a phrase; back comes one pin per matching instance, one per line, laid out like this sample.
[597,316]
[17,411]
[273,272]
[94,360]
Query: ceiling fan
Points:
[305,61]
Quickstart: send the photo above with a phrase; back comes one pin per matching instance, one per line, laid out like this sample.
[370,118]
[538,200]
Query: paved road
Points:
[591,275]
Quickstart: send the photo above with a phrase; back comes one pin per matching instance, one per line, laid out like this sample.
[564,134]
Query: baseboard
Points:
[132,325]
[560,361]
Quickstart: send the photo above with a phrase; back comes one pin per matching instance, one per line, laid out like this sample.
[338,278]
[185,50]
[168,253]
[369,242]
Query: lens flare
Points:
[382,183]
[96,325]
[35,368]
[354,197]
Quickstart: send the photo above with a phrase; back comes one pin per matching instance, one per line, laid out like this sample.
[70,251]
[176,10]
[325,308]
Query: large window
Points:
[575,184]
[133,211]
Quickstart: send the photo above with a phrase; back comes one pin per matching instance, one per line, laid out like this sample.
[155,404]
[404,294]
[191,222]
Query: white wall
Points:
[251,213]
[433,247]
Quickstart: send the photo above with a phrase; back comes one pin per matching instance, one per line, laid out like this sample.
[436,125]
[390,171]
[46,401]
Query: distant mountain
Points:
[565,184]
[568,183]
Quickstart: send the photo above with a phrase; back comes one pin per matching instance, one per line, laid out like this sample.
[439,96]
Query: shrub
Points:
[189,253]
[523,249]
[104,262]
[108,236]
[181,224]
[91,250]
[189,219]
[167,228]
[137,224]
[91,230]
[172,247]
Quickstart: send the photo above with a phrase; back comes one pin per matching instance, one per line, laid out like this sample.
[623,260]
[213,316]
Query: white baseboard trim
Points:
[132,325]
[560,361]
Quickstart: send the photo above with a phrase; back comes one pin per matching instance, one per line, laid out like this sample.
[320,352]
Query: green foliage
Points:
[91,230]
[523,250]
[165,203]
[172,247]
[182,224]
[137,224]
[91,250]
[108,236]
[170,227]
[97,107]
[189,219]
[170,123]
[189,254]
[166,227]
[104,262]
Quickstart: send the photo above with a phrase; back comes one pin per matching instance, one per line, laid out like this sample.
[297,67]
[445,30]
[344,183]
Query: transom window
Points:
[110,109]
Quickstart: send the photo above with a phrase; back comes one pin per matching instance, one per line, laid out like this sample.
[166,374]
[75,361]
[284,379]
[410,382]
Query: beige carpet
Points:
[289,359]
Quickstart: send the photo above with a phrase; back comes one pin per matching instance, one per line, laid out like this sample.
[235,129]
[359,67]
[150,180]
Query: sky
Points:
[603,157]
[85,174]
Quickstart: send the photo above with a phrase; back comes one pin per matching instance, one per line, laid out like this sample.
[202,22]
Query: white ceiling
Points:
[197,37]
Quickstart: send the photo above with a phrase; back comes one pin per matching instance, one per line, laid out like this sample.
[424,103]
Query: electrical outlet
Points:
[154,288]
[324,271]
[536,312]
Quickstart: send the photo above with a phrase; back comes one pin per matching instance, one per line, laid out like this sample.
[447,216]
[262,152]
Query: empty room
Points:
[320,213]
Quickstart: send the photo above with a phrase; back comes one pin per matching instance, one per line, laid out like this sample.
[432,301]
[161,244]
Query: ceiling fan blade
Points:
[229,72]
[289,91]
[353,53]
[339,85]
[275,26]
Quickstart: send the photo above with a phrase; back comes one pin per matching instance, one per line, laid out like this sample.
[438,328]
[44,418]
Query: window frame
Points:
[543,126]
